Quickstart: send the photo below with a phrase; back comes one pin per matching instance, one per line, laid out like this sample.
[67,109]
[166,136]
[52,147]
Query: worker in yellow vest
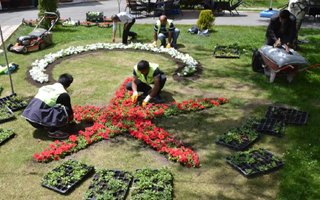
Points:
[145,74]
[51,108]
[165,29]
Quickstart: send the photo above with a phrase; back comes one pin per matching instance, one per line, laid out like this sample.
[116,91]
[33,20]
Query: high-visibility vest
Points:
[169,21]
[50,93]
[149,80]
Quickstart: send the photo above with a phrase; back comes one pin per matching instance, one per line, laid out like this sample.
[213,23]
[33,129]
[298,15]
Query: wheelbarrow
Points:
[283,66]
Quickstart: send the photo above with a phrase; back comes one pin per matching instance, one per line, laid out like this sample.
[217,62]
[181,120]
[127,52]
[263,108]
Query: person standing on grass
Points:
[145,74]
[51,108]
[128,21]
[163,29]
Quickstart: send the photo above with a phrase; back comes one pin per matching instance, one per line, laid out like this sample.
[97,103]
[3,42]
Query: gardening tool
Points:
[38,39]
[6,58]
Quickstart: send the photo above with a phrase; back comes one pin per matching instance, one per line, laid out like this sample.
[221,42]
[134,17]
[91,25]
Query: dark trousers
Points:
[126,31]
[39,126]
[145,88]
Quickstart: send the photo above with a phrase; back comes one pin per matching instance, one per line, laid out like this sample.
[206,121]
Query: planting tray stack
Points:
[290,116]
[5,114]
[5,135]
[271,126]
[109,184]
[238,138]
[226,52]
[152,184]
[13,102]
[254,162]
[65,177]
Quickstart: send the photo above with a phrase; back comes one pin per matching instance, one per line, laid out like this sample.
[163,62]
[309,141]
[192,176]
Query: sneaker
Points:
[157,99]
[58,135]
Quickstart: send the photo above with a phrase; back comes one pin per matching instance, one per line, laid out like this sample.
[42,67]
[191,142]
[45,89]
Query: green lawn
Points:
[98,74]
[265,3]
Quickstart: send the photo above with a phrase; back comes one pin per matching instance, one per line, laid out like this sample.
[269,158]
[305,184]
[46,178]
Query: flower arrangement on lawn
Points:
[120,116]
[37,72]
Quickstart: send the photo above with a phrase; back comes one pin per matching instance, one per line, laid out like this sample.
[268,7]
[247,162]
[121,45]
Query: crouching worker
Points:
[51,108]
[145,74]
[165,29]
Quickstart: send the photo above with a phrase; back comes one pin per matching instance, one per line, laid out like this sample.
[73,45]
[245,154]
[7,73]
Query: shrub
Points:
[206,20]
[47,6]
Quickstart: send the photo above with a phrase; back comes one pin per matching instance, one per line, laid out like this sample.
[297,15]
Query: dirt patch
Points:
[51,66]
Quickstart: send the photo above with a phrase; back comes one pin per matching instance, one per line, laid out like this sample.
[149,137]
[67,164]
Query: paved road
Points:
[9,21]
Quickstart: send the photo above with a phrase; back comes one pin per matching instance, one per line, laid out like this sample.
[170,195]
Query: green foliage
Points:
[47,6]
[233,78]
[206,20]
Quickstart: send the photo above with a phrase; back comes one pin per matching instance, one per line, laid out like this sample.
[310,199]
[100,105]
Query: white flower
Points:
[37,72]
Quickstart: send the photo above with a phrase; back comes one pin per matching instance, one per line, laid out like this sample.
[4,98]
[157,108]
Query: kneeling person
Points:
[145,74]
[51,108]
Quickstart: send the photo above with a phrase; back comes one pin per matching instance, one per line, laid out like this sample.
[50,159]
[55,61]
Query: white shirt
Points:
[124,18]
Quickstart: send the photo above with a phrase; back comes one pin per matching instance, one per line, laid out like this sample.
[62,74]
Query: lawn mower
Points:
[38,39]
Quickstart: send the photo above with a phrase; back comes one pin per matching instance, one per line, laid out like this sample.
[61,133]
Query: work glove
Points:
[134,97]
[145,101]
[154,43]
[168,45]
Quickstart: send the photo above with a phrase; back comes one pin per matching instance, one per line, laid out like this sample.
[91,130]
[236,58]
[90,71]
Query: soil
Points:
[51,66]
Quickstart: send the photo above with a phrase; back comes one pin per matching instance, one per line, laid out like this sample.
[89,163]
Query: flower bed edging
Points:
[37,72]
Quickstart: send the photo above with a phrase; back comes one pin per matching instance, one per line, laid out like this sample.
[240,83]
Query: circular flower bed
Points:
[38,70]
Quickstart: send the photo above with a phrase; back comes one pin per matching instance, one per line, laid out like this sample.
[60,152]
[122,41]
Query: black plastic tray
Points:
[238,146]
[227,49]
[290,116]
[64,189]
[18,105]
[10,115]
[154,186]
[252,169]
[97,18]
[269,126]
[7,138]
[123,176]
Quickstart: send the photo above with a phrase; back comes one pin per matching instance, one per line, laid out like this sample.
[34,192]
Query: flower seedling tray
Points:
[109,184]
[290,116]
[14,102]
[238,138]
[5,135]
[65,177]
[94,16]
[231,51]
[254,162]
[152,184]
[271,126]
[5,114]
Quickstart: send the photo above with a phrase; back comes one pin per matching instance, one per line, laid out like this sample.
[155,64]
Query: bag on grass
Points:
[193,30]
[257,61]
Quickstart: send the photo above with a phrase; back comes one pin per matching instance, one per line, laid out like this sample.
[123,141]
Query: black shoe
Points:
[157,99]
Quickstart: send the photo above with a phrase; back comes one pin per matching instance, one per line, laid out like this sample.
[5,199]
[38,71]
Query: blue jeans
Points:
[162,37]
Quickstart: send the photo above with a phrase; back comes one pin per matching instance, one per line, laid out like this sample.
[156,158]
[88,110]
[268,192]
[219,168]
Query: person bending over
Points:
[145,74]
[51,108]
